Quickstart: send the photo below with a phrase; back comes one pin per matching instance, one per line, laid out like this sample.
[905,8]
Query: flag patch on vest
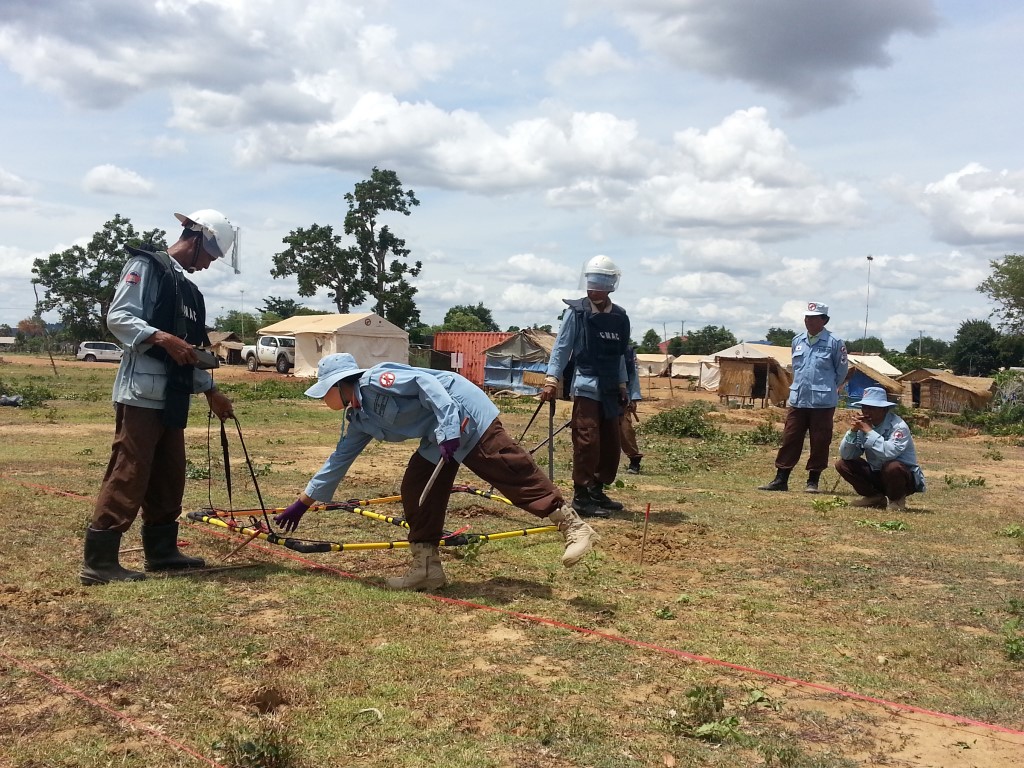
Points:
[133,278]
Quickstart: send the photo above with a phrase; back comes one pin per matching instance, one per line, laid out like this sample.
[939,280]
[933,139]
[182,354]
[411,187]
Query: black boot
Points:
[101,563]
[601,499]
[780,483]
[634,465]
[160,543]
[812,482]
[584,503]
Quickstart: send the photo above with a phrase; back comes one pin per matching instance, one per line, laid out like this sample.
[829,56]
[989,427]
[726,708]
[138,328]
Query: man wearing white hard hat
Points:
[589,356]
[877,455]
[159,316]
[456,423]
[819,369]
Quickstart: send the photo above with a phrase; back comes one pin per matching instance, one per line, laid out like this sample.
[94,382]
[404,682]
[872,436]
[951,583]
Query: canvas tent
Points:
[654,365]
[369,338]
[863,374]
[519,362]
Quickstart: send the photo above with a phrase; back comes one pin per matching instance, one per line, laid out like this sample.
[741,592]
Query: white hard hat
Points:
[600,274]
[218,234]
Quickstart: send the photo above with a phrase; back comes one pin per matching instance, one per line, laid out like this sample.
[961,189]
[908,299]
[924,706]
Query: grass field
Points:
[761,629]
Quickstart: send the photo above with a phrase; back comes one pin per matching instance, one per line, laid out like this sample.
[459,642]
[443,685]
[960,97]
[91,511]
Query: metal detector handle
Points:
[551,441]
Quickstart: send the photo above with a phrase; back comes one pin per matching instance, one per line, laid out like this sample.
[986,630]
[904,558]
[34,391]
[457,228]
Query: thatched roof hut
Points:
[944,392]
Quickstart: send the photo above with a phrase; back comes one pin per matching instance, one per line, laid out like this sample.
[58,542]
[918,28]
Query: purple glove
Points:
[448,449]
[289,519]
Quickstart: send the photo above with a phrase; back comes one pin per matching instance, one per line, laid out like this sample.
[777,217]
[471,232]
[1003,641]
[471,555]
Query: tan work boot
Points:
[579,537]
[898,505]
[875,502]
[424,573]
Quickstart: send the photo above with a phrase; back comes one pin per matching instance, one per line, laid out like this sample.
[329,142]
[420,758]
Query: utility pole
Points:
[867,300]
[241,316]
[920,340]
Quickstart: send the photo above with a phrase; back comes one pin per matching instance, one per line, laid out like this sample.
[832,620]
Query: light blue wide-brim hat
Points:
[332,369]
[874,396]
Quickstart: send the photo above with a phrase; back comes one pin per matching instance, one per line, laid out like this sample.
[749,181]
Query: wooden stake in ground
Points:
[643,542]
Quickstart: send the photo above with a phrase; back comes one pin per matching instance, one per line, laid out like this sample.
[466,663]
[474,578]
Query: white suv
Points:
[91,351]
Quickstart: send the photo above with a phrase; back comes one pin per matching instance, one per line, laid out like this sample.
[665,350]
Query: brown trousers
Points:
[496,459]
[799,422]
[627,436]
[894,480]
[595,444]
[146,469]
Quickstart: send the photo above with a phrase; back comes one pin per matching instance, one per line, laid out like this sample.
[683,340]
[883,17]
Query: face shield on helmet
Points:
[218,234]
[600,274]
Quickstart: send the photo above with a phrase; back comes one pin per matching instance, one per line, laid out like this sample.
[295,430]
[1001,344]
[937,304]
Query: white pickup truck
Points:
[278,351]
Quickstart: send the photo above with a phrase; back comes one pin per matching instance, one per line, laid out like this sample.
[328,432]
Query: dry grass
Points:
[785,583]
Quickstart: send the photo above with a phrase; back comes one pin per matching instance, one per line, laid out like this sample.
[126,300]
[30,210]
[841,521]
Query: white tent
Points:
[652,365]
[369,338]
[876,363]
[686,366]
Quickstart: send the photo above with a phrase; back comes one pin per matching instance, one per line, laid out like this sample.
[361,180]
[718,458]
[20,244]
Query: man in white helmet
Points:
[590,353]
[160,318]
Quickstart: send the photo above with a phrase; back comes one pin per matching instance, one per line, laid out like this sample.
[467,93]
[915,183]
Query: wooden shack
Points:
[944,392]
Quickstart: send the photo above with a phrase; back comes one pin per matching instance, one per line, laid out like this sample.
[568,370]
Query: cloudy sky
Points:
[737,159]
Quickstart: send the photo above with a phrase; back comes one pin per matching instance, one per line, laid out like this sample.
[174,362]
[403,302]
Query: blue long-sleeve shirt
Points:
[142,379]
[889,441]
[569,343]
[397,402]
[819,369]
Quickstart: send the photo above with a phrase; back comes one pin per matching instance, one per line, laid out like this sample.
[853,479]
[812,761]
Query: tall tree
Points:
[780,337]
[649,343]
[283,308]
[79,282]
[928,348]
[975,350]
[708,339]
[1005,286]
[482,313]
[317,259]
[386,281]
[871,344]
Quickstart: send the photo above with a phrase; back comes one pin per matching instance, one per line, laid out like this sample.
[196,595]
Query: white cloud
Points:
[598,58]
[111,180]
[975,205]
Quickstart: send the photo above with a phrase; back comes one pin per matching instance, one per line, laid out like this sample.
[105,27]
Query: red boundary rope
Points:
[957,719]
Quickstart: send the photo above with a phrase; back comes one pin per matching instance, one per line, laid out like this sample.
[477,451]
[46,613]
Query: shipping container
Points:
[466,349]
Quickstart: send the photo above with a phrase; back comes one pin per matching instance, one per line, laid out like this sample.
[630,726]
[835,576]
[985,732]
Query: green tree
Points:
[1011,350]
[871,344]
[462,321]
[649,343]
[929,348]
[1005,286]
[80,282]
[283,308]
[676,346]
[386,281]
[780,337]
[317,259]
[245,324]
[479,311]
[710,338]
[975,350]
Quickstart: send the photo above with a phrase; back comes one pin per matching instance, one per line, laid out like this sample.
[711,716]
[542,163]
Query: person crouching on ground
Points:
[455,422]
[889,468]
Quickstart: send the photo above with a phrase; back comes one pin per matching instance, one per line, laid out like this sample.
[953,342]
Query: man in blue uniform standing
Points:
[877,456]
[590,352]
[160,318]
[819,369]
[456,423]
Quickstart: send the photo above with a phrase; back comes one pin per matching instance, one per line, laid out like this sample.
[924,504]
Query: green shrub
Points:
[687,421]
